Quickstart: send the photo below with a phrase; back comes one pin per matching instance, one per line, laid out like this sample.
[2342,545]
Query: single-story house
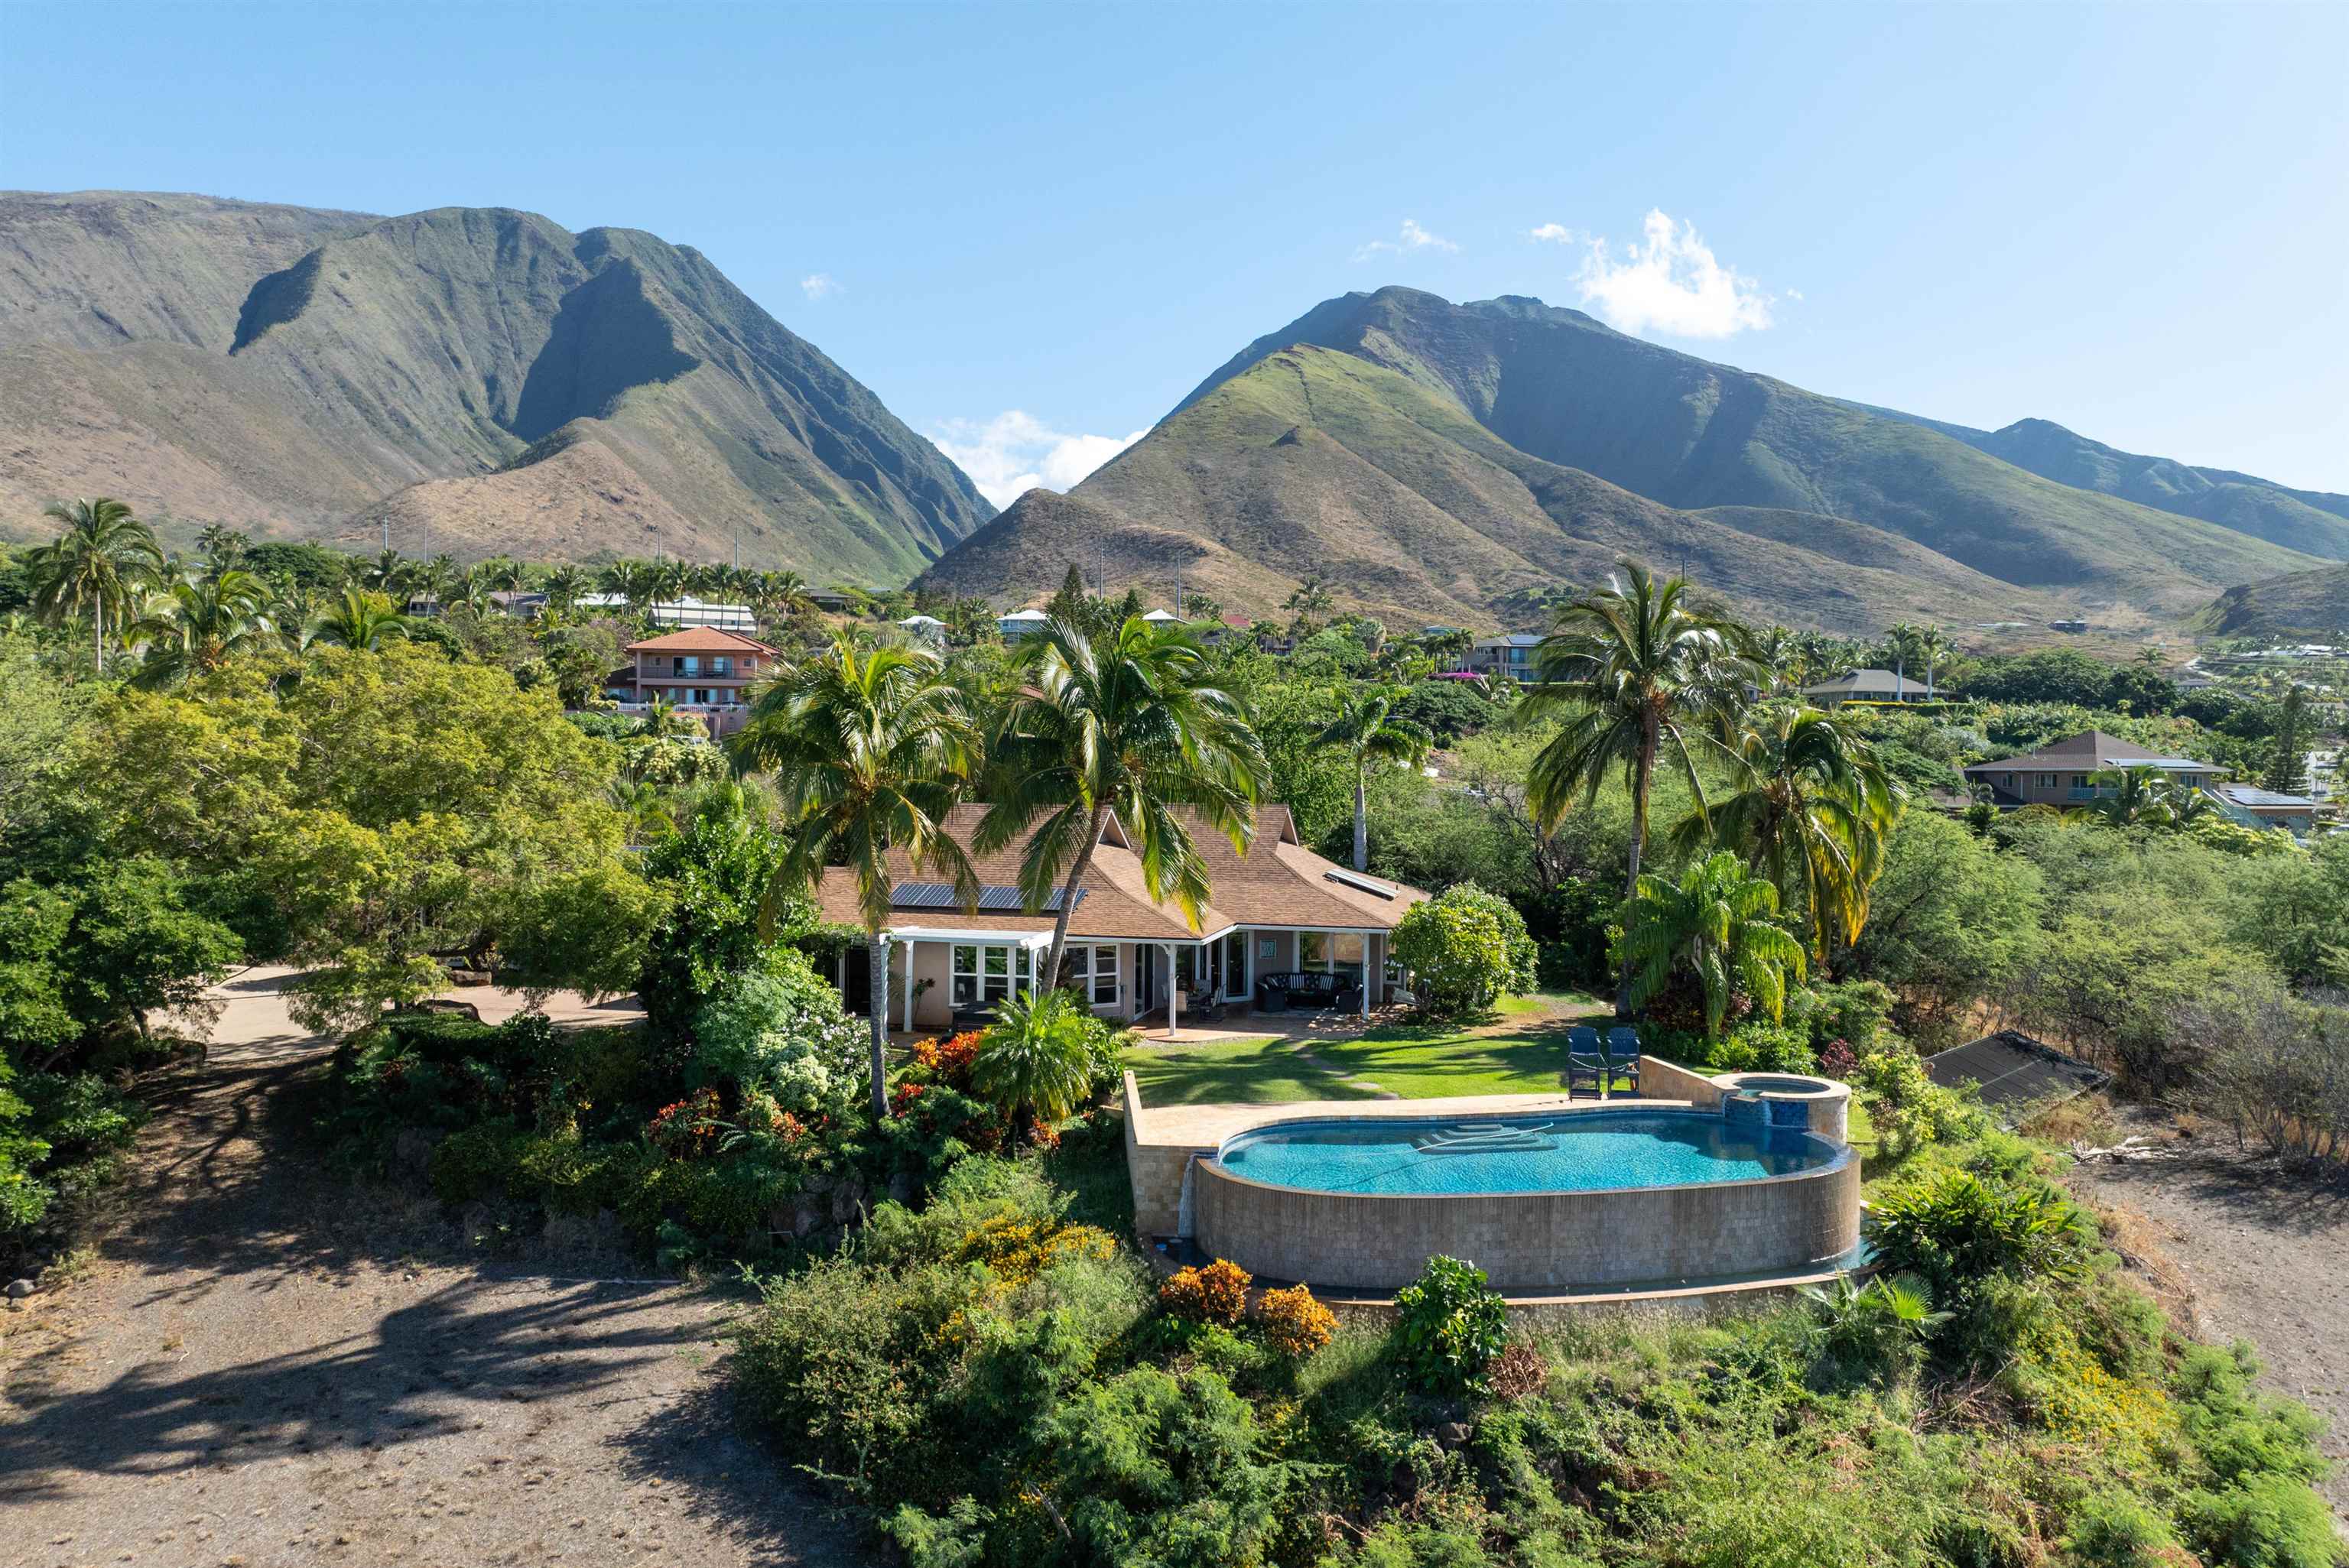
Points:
[1866,686]
[1021,623]
[2058,773]
[1274,910]
[2297,812]
[926,626]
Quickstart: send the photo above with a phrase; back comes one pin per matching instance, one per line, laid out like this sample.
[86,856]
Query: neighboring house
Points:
[1021,624]
[2297,812]
[702,671]
[522,606]
[1511,656]
[2058,773]
[686,612]
[1277,909]
[1866,686]
[927,627]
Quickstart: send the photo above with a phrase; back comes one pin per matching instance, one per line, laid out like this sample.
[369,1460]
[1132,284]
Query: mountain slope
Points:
[481,379]
[1559,385]
[2311,604]
[1314,462]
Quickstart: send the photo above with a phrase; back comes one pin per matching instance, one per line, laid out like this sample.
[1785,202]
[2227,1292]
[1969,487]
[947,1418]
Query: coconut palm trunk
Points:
[1643,776]
[1051,978]
[1361,818]
[878,991]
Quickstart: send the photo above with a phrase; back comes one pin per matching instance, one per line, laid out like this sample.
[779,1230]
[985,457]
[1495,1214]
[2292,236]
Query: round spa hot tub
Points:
[1595,1197]
[1820,1105]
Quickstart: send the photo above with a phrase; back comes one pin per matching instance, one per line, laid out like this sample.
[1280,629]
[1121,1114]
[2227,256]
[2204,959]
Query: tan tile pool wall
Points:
[1530,1241]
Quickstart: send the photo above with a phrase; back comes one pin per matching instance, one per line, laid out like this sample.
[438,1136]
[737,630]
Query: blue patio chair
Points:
[1584,1059]
[1623,1053]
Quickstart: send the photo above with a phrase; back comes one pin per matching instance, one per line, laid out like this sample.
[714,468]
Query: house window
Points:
[721,667]
[1346,953]
[1093,971]
[1313,950]
[1235,964]
[689,664]
[984,972]
[2045,780]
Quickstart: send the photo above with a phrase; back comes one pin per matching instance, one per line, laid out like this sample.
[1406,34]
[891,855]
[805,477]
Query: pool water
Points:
[1580,1152]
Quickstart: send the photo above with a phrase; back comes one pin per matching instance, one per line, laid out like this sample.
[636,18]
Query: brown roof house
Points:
[702,670]
[1282,925]
[2059,773]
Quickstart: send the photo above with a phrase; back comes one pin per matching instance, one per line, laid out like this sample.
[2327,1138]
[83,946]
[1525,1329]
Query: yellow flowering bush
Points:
[1294,1323]
[1217,1293]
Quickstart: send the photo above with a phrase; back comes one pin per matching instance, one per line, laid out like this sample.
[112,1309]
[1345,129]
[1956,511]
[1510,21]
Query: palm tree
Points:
[1369,731]
[1715,923]
[194,628]
[788,593]
[1778,659]
[870,751]
[1125,725]
[564,585]
[647,806]
[1035,1056]
[361,620]
[1933,645]
[223,546]
[97,567]
[2130,797]
[2187,804]
[387,573]
[1811,807]
[1639,677]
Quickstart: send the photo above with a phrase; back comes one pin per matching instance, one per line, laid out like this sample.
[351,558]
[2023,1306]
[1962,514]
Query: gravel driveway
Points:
[267,1365]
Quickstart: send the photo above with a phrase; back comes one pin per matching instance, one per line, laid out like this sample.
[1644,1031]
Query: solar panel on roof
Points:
[941,895]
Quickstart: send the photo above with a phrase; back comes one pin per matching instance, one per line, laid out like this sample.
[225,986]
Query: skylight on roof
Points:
[1362,884]
[941,895]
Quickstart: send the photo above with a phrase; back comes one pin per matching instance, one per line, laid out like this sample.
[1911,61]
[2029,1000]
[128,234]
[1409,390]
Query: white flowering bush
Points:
[779,1027]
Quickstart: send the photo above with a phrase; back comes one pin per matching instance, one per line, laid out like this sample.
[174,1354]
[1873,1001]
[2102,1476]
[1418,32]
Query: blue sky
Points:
[1031,229]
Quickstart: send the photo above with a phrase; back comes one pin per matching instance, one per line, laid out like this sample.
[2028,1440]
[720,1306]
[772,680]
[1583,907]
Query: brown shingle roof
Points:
[2088,751]
[1277,881]
[700,640]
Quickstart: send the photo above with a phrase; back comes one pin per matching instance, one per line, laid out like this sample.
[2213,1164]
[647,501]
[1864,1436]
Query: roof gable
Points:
[700,640]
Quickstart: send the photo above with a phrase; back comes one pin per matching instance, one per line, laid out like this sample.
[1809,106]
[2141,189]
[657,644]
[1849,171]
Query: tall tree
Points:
[98,567]
[1903,641]
[195,626]
[2288,766]
[359,619]
[1372,733]
[1810,806]
[564,585]
[1129,724]
[870,751]
[1640,679]
[1933,645]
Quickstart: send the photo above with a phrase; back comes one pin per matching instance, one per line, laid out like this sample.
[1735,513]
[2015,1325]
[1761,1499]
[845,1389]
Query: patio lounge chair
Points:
[1584,1059]
[1623,1055]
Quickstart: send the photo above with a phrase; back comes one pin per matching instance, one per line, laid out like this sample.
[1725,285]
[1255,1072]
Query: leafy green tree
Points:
[1949,919]
[1637,678]
[1715,926]
[2130,797]
[1037,1056]
[1810,806]
[97,568]
[1370,733]
[1458,952]
[1130,725]
[870,751]
[361,619]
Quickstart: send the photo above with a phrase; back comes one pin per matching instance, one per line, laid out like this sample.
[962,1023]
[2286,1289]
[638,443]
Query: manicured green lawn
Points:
[1522,1050]
[1234,1072]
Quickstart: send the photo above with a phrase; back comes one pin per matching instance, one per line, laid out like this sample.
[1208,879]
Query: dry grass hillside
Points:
[483,379]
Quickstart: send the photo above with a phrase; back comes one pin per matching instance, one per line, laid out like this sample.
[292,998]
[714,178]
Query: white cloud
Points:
[1412,238]
[1669,281]
[1015,452]
[1557,234]
[819,285]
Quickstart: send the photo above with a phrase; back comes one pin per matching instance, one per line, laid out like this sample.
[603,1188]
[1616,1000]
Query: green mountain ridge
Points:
[1313,462]
[1451,460]
[2303,605]
[476,380]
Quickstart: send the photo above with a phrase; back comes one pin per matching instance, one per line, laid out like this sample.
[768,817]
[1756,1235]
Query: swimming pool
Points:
[1579,1152]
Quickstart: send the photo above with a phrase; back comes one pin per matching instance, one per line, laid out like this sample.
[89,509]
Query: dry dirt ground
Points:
[2256,1253]
[268,1365]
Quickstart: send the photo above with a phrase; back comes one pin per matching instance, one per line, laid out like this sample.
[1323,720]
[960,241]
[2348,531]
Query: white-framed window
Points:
[1094,970]
[1313,950]
[984,972]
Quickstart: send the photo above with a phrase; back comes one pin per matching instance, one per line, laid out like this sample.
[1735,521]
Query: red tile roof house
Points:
[702,670]
[1277,909]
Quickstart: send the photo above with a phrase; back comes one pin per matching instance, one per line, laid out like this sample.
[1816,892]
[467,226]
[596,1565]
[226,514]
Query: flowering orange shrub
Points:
[1016,1248]
[901,1098]
[949,1061]
[687,1128]
[1294,1323]
[1217,1293]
